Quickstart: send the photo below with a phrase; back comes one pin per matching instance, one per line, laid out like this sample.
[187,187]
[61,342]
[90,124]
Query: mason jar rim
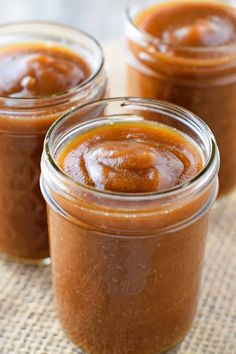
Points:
[55,25]
[156,42]
[212,163]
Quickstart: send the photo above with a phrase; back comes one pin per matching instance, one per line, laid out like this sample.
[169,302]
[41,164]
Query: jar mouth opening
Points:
[211,164]
[163,46]
[73,90]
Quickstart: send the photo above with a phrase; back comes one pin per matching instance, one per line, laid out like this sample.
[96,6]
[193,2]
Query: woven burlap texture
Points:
[28,322]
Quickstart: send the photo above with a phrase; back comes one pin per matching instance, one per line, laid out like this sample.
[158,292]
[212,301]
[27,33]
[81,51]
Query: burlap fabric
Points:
[28,322]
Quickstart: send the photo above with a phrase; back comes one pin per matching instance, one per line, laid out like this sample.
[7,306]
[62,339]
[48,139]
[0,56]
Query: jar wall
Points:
[213,104]
[23,217]
[117,294]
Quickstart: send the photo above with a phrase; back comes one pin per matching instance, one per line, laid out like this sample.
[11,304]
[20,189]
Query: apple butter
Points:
[128,202]
[131,158]
[184,51]
[40,78]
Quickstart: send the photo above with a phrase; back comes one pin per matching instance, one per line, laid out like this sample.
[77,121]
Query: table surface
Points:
[28,322]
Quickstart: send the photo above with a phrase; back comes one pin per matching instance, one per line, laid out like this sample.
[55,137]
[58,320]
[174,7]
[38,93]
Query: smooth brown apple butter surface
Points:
[190,60]
[131,158]
[190,23]
[27,72]
[40,70]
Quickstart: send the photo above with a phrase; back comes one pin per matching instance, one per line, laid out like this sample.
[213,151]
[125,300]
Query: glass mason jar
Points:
[23,125]
[201,79]
[127,267]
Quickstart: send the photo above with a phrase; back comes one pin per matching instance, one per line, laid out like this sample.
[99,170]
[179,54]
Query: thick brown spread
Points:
[190,60]
[131,158]
[34,71]
[29,71]
[190,24]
